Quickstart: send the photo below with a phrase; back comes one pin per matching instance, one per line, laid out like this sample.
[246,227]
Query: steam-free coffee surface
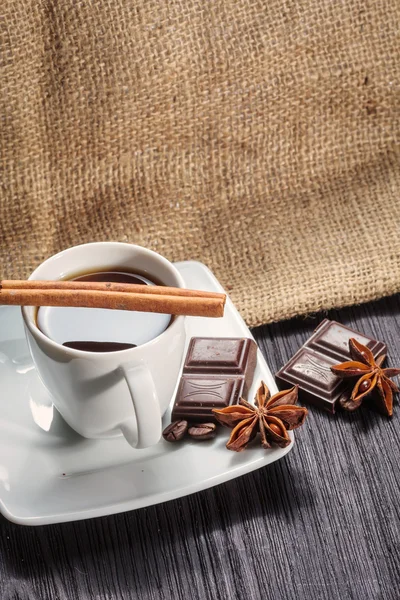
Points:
[99,329]
[115,277]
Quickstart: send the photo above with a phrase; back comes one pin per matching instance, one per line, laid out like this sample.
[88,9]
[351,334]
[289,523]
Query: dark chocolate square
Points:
[311,371]
[199,394]
[310,367]
[221,355]
[332,339]
[216,373]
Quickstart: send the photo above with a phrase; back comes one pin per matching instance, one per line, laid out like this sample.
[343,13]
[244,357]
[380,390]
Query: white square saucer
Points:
[50,474]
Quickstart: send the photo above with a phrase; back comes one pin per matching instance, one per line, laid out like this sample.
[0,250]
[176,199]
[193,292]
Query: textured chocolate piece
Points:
[218,355]
[217,371]
[310,367]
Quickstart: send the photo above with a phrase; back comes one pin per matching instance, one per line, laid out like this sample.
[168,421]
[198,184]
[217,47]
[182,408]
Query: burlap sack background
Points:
[260,137]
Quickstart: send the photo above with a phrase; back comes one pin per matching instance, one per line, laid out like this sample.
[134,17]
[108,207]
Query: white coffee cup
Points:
[108,393]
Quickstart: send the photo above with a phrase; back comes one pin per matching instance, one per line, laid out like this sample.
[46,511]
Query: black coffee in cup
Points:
[98,329]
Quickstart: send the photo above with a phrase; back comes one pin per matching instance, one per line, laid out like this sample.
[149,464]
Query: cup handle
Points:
[144,430]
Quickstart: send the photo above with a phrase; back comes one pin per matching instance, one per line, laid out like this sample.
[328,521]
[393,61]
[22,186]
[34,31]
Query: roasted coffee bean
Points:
[175,431]
[203,431]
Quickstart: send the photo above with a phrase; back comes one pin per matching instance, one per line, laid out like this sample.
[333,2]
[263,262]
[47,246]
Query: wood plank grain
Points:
[321,524]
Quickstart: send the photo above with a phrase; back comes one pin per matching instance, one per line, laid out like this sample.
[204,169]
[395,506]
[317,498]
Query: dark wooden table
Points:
[323,523]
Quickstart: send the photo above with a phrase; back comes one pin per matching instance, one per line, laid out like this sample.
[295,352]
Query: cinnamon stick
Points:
[105,286]
[159,303]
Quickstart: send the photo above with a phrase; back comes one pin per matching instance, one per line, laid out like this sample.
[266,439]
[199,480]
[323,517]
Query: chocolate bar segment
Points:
[332,339]
[216,373]
[223,355]
[310,367]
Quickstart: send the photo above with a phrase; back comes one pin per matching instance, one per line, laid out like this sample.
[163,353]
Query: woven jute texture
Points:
[259,137]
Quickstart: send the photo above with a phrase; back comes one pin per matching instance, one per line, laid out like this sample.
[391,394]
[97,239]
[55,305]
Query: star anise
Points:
[271,417]
[370,375]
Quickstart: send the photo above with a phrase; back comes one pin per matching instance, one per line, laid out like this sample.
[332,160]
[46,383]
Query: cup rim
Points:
[73,352]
